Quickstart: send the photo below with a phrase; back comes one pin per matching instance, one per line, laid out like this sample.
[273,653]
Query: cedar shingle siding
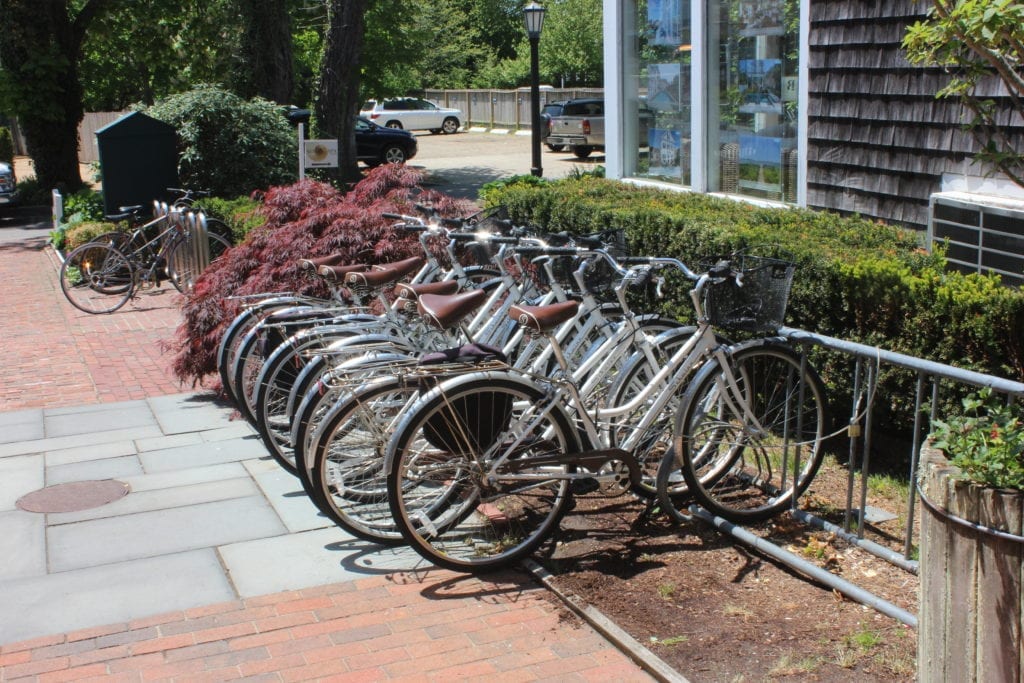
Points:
[878,140]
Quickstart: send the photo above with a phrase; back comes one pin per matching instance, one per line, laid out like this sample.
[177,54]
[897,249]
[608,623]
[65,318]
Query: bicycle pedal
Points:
[581,487]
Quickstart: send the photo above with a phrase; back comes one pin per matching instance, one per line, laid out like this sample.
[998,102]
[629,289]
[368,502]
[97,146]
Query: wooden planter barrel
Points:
[970,607]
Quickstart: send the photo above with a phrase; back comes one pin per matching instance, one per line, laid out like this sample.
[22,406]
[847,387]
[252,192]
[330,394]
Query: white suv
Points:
[412,113]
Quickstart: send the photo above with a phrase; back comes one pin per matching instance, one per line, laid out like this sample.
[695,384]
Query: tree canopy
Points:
[59,58]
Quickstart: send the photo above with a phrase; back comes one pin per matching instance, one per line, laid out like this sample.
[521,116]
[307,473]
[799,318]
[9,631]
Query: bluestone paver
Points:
[160,532]
[98,420]
[203,454]
[195,475]
[22,545]
[162,499]
[285,493]
[92,470]
[20,474]
[75,440]
[68,456]
[66,601]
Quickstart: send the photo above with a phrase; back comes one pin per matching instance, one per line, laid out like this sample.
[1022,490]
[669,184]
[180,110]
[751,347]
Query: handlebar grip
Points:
[642,279]
[497,239]
[548,251]
[633,260]
[393,216]
[463,236]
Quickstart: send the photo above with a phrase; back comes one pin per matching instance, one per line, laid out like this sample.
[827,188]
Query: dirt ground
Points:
[715,610]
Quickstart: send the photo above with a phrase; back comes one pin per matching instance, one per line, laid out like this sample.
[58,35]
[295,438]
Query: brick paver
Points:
[59,356]
[433,626]
[245,639]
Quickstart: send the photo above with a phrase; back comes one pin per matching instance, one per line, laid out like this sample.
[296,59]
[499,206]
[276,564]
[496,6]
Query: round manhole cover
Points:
[74,496]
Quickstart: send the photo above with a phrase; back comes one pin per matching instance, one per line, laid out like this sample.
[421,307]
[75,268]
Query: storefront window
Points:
[659,99]
[752,97]
[739,136]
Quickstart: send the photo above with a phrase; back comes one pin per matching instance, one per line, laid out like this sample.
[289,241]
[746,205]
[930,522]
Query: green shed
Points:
[138,160]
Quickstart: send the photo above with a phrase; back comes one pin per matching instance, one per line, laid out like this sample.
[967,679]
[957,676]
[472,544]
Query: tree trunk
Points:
[40,46]
[267,50]
[338,102]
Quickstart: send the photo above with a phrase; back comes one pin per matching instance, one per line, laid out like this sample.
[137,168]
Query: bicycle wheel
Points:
[275,382]
[747,447]
[236,331]
[348,468]
[635,380]
[460,482]
[97,278]
[182,268]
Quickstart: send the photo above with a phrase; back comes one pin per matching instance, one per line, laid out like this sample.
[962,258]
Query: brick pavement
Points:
[56,355]
[429,626]
[437,627]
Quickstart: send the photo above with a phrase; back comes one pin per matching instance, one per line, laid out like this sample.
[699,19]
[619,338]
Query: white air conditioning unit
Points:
[984,233]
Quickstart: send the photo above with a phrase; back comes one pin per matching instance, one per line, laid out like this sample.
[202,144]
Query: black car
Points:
[377,145]
[550,110]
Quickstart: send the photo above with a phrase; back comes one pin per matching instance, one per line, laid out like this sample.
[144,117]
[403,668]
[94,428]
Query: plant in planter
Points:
[972,544]
[986,442]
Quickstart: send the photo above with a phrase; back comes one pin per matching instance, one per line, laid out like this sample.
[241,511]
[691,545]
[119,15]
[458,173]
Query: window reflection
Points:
[748,95]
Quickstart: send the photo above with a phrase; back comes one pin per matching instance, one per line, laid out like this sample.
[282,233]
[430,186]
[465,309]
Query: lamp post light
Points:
[533,17]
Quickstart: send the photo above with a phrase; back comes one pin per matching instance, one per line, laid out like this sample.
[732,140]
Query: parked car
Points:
[550,111]
[411,113]
[8,189]
[377,145]
[580,127]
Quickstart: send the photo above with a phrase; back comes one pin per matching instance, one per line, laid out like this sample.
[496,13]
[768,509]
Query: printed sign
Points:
[320,153]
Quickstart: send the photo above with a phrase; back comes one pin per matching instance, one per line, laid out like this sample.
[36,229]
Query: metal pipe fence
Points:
[930,381]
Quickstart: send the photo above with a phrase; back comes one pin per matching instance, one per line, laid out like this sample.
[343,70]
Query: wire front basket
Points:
[599,278]
[759,305]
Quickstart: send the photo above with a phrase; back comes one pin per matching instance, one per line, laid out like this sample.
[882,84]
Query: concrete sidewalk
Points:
[214,566]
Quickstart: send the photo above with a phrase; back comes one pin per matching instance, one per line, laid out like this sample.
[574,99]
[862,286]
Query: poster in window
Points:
[665,86]
[761,150]
[665,151]
[761,18]
[665,21]
[760,83]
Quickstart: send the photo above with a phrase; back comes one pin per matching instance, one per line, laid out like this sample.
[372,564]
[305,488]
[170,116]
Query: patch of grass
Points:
[846,657]
[670,641]
[889,487]
[666,590]
[865,639]
[788,665]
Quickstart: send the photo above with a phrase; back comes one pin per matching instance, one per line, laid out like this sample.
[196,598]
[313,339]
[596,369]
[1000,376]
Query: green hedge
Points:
[857,279]
[238,214]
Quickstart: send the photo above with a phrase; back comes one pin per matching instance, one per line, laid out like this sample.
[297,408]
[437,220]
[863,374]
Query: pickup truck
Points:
[580,127]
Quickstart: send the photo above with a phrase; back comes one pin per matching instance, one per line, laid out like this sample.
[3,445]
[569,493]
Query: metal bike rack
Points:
[868,361]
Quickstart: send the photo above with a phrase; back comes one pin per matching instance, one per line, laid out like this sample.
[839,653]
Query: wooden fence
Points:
[502,108]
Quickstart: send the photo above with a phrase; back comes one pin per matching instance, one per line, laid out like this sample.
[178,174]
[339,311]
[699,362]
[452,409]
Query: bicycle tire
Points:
[746,464]
[236,331]
[97,278]
[253,351]
[348,465]
[636,377]
[274,384]
[319,397]
[444,504]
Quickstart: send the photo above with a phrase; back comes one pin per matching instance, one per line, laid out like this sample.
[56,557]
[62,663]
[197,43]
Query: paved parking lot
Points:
[459,164]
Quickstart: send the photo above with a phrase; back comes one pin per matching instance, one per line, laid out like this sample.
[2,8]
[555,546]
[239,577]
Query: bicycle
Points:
[481,469]
[102,275]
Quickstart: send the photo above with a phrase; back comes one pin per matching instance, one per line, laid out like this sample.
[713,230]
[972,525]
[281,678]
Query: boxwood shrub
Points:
[856,279]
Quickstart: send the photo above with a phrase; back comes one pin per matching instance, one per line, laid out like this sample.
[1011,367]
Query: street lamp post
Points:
[533,17]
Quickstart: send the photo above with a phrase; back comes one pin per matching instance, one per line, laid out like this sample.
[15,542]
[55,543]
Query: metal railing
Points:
[868,363]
